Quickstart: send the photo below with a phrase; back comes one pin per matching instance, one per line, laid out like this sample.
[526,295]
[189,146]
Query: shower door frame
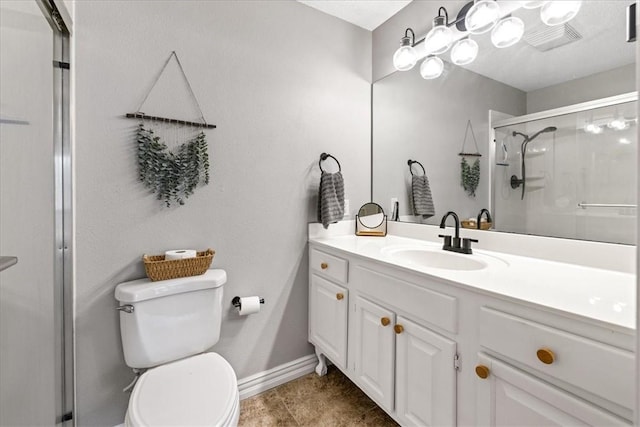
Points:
[60,21]
[500,121]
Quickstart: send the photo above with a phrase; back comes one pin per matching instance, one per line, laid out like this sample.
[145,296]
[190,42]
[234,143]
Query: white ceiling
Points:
[368,14]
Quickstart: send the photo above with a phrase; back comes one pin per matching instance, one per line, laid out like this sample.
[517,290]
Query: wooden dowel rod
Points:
[167,120]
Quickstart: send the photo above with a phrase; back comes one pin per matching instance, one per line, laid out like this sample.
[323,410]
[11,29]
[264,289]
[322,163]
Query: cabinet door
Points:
[425,377]
[374,346]
[510,397]
[328,308]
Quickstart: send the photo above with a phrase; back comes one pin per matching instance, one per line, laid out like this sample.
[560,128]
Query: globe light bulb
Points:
[482,17]
[464,51]
[431,68]
[618,124]
[406,56]
[439,39]
[507,32]
[593,128]
[559,12]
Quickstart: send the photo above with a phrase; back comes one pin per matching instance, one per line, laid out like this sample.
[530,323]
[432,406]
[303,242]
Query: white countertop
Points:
[593,293]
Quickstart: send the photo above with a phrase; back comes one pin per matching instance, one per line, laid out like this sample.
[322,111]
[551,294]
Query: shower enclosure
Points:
[36,365]
[568,172]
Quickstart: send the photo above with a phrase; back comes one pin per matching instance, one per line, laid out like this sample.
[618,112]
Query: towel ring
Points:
[410,162]
[324,157]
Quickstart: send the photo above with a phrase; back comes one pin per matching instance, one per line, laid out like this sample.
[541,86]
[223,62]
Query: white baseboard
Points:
[265,380]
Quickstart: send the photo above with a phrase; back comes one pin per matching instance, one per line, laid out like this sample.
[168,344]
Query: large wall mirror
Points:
[555,121]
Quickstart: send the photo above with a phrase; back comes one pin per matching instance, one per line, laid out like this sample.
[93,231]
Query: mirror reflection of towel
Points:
[421,195]
[330,198]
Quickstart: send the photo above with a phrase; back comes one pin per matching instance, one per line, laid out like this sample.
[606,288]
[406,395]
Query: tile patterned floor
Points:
[329,401]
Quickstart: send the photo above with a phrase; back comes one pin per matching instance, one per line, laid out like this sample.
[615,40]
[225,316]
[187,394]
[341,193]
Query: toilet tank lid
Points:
[145,289]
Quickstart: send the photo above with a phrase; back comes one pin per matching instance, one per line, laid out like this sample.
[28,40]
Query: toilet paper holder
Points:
[236,302]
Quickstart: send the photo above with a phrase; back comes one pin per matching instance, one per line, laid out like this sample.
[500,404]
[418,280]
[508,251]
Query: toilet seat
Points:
[200,390]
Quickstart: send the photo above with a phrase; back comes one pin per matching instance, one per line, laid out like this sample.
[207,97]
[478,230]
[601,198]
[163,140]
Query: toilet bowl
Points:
[200,390]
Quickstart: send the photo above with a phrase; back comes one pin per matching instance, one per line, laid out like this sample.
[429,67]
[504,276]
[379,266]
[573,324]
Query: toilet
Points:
[166,327]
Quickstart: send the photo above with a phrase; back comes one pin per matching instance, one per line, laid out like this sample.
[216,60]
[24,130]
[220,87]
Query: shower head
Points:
[528,138]
[515,182]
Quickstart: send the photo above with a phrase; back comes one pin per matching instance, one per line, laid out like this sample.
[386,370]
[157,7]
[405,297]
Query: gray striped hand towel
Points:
[331,198]
[421,195]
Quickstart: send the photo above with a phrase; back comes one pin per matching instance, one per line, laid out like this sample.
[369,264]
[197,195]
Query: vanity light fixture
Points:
[559,12]
[440,38]
[406,56]
[482,17]
[624,141]
[507,32]
[475,17]
[464,51]
[431,68]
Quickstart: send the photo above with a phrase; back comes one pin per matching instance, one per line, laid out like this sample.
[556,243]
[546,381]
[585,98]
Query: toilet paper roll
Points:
[249,305]
[179,254]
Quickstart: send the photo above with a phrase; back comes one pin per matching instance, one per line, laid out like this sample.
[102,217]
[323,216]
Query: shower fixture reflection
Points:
[515,181]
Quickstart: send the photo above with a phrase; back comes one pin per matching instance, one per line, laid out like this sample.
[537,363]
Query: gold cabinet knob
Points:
[546,356]
[482,371]
[324,266]
[399,329]
[385,321]
[339,296]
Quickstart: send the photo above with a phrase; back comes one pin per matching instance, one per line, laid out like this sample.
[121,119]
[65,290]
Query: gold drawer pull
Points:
[339,296]
[482,371]
[324,266]
[546,356]
[399,329]
[385,321]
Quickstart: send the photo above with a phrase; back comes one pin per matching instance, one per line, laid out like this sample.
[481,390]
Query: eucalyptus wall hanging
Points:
[470,173]
[172,175]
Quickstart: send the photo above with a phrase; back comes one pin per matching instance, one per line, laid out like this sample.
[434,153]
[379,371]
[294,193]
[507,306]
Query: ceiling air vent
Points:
[545,38]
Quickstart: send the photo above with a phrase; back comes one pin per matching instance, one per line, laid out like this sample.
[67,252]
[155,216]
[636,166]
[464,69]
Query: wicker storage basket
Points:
[159,269]
[472,224]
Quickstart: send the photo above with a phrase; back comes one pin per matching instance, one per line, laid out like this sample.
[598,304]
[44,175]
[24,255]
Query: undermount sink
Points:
[432,257]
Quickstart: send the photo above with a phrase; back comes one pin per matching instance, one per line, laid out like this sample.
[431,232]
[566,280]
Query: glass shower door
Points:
[569,175]
[30,313]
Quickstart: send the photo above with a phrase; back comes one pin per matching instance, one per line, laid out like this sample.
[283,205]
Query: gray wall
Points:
[283,83]
[601,85]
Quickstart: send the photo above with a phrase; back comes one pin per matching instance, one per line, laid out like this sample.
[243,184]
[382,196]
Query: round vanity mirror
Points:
[371,215]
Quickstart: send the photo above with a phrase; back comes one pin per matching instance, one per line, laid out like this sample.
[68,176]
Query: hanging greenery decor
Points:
[173,176]
[470,176]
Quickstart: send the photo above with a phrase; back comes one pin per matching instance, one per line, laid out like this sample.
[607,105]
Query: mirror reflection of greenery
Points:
[172,176]
[470,176]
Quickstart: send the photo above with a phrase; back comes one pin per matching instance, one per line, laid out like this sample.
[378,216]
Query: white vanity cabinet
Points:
[431,352]
[408,369]
[383,342]
[328,308]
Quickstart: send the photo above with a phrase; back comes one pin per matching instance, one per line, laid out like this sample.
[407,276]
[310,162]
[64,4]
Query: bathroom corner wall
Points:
[283,83]
[600,85]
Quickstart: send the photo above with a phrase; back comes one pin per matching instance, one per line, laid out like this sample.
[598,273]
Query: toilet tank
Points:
[169,319]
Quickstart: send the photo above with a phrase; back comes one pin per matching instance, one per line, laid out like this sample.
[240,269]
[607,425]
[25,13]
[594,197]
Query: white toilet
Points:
[166,326]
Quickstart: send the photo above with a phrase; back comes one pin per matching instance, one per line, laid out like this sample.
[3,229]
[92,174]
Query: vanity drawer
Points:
[329,265]
[600,369]
[408,298]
